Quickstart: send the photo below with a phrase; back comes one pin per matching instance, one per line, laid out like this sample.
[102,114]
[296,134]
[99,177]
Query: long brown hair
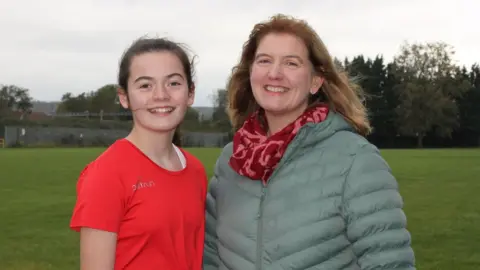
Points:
[342,94]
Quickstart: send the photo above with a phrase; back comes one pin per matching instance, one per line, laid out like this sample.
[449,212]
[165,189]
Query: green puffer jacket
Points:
[332,203]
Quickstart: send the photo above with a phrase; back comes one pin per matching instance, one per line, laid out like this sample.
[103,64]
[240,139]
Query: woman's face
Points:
[282,76]
[158,94]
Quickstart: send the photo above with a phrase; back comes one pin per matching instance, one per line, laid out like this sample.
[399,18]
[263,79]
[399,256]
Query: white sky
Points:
[58,46]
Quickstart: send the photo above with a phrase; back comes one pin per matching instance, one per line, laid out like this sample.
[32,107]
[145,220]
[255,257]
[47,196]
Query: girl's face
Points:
[158,93]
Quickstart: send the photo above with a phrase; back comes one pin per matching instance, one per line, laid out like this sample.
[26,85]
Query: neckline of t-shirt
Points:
[181,156]
[183,170]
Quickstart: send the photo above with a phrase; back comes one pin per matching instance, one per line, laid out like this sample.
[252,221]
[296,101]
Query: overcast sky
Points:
[57,46]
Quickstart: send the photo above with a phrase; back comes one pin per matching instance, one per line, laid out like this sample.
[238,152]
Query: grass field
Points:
[37,192]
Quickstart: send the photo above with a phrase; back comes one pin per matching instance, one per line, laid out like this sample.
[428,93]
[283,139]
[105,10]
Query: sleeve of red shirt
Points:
[100,199]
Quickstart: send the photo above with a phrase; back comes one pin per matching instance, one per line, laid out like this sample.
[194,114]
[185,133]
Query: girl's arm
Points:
[97,215]
[97,249]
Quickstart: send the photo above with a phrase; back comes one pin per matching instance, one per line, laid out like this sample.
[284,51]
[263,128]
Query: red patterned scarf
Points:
[255,155]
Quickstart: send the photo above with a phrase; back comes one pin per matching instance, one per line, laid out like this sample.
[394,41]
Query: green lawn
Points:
[37,192]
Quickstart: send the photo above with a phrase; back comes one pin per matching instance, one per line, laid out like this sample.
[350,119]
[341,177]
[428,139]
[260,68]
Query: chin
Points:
[161,128]
[273,107]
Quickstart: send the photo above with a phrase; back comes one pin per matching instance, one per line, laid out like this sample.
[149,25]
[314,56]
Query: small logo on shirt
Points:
[142,184]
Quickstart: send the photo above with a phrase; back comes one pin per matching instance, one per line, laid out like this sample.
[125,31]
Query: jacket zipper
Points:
[258,263]
[260,228]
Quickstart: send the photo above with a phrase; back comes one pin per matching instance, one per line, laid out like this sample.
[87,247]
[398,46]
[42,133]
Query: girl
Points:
[140,204]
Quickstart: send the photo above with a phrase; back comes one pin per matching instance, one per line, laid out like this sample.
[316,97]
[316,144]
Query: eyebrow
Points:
[148,78]
[286,56]
[174,74]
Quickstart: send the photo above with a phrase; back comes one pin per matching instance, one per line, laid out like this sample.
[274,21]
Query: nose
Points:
[160,93]
[275,72]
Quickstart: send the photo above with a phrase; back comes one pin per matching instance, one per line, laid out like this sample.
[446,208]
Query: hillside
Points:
[49,107]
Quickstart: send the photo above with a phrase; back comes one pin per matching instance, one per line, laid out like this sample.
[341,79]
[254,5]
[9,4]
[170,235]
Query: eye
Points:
[174,84]
[145,85]
[292,64]
[263,61]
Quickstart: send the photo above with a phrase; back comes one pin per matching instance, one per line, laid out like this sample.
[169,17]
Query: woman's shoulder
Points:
[350,151]
[335,133]
[227,151]
[344,142]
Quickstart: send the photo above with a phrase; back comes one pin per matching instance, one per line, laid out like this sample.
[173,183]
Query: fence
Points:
[84,137]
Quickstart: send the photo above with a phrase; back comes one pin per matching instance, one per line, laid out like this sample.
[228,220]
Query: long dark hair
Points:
[146,45]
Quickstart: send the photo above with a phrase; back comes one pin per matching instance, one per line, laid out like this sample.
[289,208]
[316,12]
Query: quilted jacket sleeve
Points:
[210,253]
[373,210]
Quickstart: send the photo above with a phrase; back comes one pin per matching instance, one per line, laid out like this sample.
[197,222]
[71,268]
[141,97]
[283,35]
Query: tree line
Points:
[421,98]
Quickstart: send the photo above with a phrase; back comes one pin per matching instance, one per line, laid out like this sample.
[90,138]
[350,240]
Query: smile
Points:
[161,109]
[275,89]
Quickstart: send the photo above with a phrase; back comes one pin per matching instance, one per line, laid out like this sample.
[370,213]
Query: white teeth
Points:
[275,89]
[161,110]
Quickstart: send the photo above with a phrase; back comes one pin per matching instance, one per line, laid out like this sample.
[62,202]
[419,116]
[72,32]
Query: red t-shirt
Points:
[159,215]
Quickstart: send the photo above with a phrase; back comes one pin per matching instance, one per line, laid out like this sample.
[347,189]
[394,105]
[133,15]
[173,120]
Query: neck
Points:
[157,146]
[277,122]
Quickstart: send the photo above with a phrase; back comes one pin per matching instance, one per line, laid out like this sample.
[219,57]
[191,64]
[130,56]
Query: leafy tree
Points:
[338,64]
[74,104]
[104,99]
[191,121]
[220,117]
[469,106]
[15,98]
[427,90]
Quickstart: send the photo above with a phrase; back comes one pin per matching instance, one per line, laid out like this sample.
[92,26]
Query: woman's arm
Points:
[97,249]
[373,209]
[210,253]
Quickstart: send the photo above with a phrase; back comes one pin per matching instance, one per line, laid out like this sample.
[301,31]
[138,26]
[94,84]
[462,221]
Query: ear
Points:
[123,98]
[317,82]
[191,95]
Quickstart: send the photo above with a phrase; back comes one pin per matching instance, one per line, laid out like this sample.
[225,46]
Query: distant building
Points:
[45,106]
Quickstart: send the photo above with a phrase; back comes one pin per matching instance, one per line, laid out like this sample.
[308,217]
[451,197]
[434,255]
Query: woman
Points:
[140,204]
[300,187]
